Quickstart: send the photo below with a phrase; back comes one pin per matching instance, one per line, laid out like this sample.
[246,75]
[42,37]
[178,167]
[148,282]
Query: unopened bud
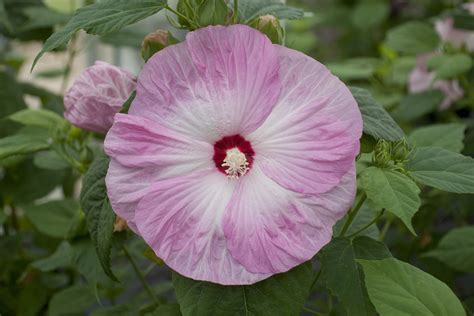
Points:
[270,26]
[120,224]
[156,41]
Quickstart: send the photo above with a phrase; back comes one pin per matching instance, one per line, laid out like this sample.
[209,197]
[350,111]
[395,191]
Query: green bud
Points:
[400,151]
[270,26]
[156,41]
[213,12]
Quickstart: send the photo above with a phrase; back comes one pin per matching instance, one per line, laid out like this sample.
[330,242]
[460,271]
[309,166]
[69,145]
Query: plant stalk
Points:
[352,215]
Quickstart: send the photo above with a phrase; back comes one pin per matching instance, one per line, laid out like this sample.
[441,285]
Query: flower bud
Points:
[270,26]
[189,9]
[213,12]
[120,224]
[96,95]
[156,41]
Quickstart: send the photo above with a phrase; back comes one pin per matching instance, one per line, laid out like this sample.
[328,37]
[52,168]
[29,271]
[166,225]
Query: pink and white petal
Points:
[181,219]
[138,142]
[311,138]
[270,229]
[222,81]
[239,66]
[124,191]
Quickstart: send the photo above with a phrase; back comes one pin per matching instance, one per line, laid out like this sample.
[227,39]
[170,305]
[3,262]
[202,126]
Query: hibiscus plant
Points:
[265,160]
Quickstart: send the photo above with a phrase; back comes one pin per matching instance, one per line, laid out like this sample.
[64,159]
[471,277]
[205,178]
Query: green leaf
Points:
[447,136]
[413,38]
[101,18]
[71,301]
[60,258]
[463,20]
[449,66]
[281,294]
[415,105]
[370,13]
[50,160]
[377,122]
[456,249]
[354,69]
[128,37]
[54,218]
[343,275]
[86,261]
[397,288]
[38,118]
[442,169]
[364,217]
[26,141]
[42,17]
[393,191]
[96,205]
[11,95]
[252,9]
[213,12]
[24,182]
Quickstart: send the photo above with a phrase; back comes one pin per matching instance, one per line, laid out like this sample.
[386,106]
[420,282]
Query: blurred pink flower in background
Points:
[97,95]
[237,156]
[421,79]
[456,37]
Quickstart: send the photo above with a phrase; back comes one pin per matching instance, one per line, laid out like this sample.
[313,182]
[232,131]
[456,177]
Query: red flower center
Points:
[233,156]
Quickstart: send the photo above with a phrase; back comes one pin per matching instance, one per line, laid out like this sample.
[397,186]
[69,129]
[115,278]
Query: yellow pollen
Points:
[236,163]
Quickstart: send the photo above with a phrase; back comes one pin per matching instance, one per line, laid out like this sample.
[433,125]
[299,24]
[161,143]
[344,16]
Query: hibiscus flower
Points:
[236,158]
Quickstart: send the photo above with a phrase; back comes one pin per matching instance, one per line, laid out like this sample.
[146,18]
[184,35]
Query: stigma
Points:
[235,163]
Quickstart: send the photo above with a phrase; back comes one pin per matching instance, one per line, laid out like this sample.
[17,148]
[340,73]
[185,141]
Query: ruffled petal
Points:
[181,219]
[222,81]
[125,190]
[311,138]
[270,229]
[138,142]
[240,68]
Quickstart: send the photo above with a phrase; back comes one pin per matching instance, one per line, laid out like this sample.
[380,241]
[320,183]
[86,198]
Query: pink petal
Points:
[96,95]
[311,138]
[222,81]
[271,230]
[138,142]
[181,219]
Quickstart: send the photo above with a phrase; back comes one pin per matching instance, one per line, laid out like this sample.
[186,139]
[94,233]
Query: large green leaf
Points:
[96,205]
[456,249]
[393,191]
[60,258]
[85,260]
[55,218]
[413,38]
[370,13]
[282,294]
[442,169]
[377,122]
[101,18]
[251,9]
[364,217]
[343,275]
[397,288]
[447,136]
[416,105]
[26,141]
[449,66]
[71,301]
[38,118]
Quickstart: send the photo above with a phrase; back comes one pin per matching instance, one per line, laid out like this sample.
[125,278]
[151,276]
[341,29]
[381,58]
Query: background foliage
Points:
[406,247]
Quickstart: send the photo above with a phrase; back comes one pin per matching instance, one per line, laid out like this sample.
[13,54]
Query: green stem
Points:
[145,284]
[376,218]
[235,15]
[315,281]
[69,63]
[191,23]
[309,310]
[385,229]
[352,215]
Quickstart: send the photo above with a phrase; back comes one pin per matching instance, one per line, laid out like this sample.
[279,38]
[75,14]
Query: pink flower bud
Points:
[96,95]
